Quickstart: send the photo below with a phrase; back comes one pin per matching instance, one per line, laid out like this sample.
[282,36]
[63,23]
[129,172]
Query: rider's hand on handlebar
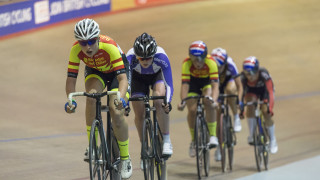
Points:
[72,108]
[181,105]
[167,108]
[120,104]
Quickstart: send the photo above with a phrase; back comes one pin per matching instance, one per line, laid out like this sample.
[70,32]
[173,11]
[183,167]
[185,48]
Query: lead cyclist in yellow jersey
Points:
[105,67]
[200,77]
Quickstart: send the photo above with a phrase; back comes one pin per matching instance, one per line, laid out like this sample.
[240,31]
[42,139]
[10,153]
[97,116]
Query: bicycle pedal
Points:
[104,108]
[212,146]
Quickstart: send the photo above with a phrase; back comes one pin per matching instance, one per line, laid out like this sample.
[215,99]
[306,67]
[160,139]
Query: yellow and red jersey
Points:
[107,59]
[210,69]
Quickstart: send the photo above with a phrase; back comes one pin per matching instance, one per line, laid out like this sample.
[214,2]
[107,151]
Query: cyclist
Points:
[200,77]
[150,67]
[104,67]
[230,83]
[258,84]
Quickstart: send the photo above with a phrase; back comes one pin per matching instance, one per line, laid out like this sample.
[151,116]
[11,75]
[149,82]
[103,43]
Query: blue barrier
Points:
[33,14]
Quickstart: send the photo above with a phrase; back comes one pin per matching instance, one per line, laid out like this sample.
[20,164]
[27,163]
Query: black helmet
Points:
[145,46]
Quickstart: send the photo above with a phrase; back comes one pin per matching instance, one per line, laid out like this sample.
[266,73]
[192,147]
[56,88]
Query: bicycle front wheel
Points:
[97,152]
[222,141]
[206,150]
[147,150]
[230,142]
[160,160]
[258,147]
[115,174]
[199,146]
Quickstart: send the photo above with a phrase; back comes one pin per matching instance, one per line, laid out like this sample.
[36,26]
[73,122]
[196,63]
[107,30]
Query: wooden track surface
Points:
[38,140]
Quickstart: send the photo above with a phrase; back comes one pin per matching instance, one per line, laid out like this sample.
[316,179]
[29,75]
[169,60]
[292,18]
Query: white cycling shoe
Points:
[126,168]
[213,142]
[192,149]
[237,124]
[167,149]
[217,154]
[273,147]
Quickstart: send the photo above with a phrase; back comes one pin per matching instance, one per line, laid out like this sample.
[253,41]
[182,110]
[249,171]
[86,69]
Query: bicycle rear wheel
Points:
[206,150]
[97,152]
[160,161]
[199,146]
[258,148]
[147,150]
[222,141]
[230,142]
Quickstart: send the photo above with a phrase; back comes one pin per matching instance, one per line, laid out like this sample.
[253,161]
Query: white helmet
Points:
[86,29]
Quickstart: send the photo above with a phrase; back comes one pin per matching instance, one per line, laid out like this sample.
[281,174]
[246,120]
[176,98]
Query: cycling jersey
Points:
[228,74]
[160,64]
[209,70]
[108,58]
[262,87]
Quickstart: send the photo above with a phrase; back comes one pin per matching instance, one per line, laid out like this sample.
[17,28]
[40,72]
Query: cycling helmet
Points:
[251,65]
[199,50]
[220,56]
[145,46]
[86,29]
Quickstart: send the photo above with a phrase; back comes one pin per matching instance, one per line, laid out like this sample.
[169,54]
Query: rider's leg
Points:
[250,114]
[269,122]
[210,116]
[139,114]
[163,118]
[231,88]
[120,127]
[92,85]
[192,113]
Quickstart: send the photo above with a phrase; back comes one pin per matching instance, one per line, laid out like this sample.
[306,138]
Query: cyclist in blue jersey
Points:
[150,68]
[230,83]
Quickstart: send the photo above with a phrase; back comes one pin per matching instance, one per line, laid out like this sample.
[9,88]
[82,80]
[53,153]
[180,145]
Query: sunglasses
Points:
[90,42]
[143,59]
[250,73]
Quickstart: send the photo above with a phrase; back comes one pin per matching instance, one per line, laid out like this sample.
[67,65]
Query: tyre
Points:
[199,146]
[258,148]
[147,150]
[115,157]
[230,142]
[222,141]
[97,152]
[160,161]
[206,153]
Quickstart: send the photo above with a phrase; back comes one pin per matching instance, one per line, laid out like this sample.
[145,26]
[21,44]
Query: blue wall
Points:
[32,14]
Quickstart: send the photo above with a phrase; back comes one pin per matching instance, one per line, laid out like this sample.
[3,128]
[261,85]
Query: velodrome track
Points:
[38,140]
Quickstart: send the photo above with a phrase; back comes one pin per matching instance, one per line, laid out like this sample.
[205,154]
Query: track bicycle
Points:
[226,134]
[201,137]
[260,137]
[152,140]
[104,153]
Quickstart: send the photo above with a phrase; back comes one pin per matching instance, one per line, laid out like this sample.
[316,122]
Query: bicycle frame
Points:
[155,136]
[201,136]
[227,136]
[261,137]
[107,143]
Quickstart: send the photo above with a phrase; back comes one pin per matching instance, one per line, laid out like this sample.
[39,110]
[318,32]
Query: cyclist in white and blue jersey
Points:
[150,68]
[230,83]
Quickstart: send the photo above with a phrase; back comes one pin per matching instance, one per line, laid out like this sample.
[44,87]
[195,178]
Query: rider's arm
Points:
[215,90]
[123,84]
[239,87]
[70,85]
[166,69]
[214,78]
[184,90]
[269,86]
